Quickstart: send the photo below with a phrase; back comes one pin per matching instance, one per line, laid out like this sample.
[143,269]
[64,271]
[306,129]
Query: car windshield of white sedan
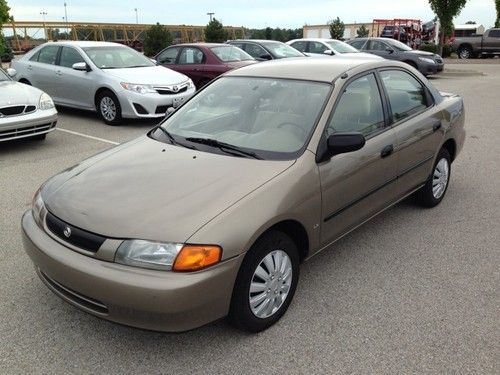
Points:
[117,57]
[272,118]
[281,50]
[3,76]
[231,53]
[341,47]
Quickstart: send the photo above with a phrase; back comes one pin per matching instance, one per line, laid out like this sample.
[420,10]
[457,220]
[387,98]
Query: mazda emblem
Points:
[67,232]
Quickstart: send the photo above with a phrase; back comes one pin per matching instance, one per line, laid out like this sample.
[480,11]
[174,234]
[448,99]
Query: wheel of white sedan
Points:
[432,193]
[109,108]
[266,282]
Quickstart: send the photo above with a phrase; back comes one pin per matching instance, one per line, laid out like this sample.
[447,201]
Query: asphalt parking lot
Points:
[413,291]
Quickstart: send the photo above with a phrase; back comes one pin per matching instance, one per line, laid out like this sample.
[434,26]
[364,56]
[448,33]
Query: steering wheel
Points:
[295,126]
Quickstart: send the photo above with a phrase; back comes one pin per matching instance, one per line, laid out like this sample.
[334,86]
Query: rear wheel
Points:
[109,108]
[266,282]
[432,193]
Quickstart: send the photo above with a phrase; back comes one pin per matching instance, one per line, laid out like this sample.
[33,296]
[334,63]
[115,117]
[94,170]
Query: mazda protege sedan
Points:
[211,213]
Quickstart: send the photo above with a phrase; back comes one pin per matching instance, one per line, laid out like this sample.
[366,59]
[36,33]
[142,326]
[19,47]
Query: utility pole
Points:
[211,14]
[43,14]
[136,16]
[65,12]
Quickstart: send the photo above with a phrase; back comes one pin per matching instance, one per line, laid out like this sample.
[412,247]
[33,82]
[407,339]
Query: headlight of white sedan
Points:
[45,102]
[141,89]
[167,256]
[427,60]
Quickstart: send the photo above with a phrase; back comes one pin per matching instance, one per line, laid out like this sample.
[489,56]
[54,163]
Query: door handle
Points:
[436,126]
[386,151]
[59,73]
[30,67]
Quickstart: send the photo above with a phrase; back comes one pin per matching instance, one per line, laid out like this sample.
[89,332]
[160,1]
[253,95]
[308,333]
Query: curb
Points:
[461,73]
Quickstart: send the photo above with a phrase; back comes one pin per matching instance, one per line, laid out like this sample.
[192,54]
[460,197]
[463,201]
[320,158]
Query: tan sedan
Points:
[211,213]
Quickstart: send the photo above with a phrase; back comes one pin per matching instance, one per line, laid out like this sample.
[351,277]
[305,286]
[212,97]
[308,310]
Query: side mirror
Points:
[265,56]
[11,72]
[81,66]
[154,61]
[170,110]
[341,143]
[328,52]
[390,50]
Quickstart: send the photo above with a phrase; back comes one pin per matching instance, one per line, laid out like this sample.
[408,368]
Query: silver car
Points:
[24,111]
[112,79]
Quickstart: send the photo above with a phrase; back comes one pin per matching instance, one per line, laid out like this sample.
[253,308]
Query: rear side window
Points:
[70,56]
[406,95]
[359,108]
[48,55]
[301,46]
[494,34]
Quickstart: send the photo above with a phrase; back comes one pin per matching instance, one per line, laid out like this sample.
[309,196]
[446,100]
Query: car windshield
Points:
[341,47]
[4,76]
[397,45]
[271,118]
[230,53]
[118,57]
[282,50]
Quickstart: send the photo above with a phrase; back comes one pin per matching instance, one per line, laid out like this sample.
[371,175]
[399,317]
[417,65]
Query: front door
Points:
[357,185]
[191,62]
[379,48]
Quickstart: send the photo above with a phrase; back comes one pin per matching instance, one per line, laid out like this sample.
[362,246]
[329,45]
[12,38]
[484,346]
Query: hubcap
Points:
[464,54]
[440,178]
[270,284]
[108,108]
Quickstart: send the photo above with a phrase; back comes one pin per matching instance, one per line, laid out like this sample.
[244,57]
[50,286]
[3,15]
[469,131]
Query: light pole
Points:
[43,13]
[211,14]
[136,16]
[65,12]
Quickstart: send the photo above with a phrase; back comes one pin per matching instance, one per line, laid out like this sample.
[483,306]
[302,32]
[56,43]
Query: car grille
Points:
[170,91]
[75,236]
[26,131]
[16,110]
[71,296]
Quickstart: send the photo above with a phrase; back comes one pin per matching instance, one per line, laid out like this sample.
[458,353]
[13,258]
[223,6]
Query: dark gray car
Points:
[426,62]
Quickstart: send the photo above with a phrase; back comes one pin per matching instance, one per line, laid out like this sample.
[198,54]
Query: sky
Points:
[251,14]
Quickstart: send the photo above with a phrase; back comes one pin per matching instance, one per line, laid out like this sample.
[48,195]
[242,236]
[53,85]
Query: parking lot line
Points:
[88,136]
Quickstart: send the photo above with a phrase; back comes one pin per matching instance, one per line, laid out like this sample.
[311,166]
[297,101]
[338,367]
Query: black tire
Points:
[25,81]
[465,52]
[425,196]
[240,314]
[40,137]
[100,107]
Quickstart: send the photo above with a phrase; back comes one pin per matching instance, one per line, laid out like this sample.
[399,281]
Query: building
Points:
[350,32]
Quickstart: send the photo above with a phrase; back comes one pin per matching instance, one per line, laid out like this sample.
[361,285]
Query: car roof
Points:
[313,40]
[256,41]
[199,44]
[85,43]
[310,68]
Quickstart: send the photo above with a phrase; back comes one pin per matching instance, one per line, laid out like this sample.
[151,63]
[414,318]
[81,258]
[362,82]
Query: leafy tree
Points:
[446,10]
[337,29]
[497,4]
[362,32]
[4,17]
[268,33]
[471,23]
[157,38]
[214,32]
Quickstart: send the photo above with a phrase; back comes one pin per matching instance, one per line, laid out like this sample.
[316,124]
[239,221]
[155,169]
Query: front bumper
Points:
[156,300]
[33,124]
[153,105]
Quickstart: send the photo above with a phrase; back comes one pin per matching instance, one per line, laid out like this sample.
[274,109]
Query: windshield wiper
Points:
[226,147]
[172,139]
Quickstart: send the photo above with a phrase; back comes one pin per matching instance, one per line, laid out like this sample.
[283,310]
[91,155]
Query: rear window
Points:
[230,53]
[494,33]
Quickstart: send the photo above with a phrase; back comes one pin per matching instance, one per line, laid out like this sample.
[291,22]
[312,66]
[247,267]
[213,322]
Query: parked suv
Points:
[266,49]
[426,62]
[487,44]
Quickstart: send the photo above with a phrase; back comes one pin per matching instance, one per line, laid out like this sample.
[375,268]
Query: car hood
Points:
[359,55]
[15,93]
[239,64]
[150,190]
[421,53]
[150,75]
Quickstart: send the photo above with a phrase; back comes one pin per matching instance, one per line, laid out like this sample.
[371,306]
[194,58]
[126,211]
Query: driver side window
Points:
[359,108]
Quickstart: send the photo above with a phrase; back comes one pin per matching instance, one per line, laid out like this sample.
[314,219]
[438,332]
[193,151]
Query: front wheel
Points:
[465,52]
[266,282]
[109,108]
[432,193]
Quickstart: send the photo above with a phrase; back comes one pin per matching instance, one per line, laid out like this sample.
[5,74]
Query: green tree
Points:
[214,32]
[446,10]
[268,33]
[4,17]
[497,4]
[337,29]
[157,38]
[362,32]
[471,23]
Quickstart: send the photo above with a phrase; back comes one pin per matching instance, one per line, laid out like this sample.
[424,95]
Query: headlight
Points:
[38,208]
[427,60]
[45,102]
[190,84]
[141,89]
[167,256]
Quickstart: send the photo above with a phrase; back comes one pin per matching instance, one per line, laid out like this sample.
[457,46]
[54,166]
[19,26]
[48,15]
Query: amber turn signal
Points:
[196,257]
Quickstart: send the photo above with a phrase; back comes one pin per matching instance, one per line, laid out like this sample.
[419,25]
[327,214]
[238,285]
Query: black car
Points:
[266,49]
[426,62]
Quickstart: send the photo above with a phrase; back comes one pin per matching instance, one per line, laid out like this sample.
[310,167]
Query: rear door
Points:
[43,70]
[357,185]
[75,88]
[417,123]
